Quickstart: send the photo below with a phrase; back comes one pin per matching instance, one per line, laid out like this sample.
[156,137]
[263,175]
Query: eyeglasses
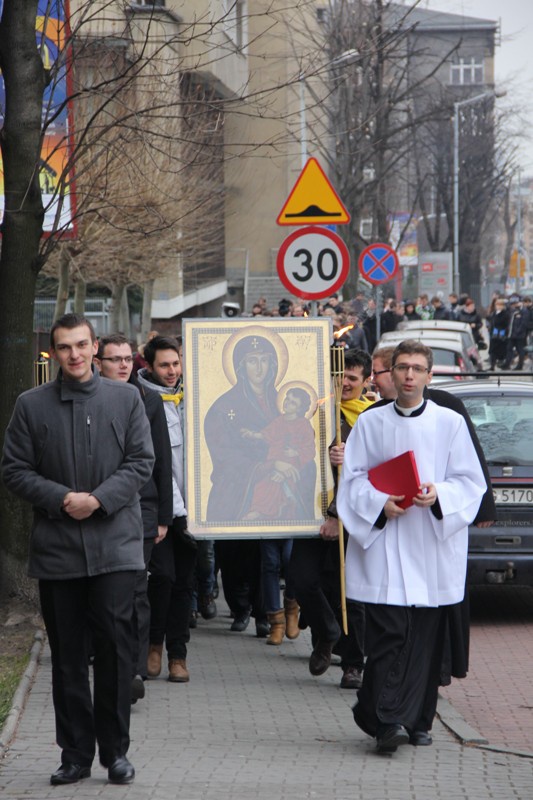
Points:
[117,359]
[417,368]
[380,371]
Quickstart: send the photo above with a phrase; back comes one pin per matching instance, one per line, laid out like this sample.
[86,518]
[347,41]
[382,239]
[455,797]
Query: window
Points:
[234,12]
[467,71]
[365,228]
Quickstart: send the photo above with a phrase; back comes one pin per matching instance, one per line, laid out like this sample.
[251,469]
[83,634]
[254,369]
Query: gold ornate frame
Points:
[302,360]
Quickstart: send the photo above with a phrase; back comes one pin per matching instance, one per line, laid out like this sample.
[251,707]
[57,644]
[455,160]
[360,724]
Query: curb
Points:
[19,698]
[467,735]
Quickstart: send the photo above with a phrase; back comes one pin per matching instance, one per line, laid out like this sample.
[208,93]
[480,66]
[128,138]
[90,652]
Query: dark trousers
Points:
[75,612]
[170,588]
[315,572]
[240,569]
[520,346]
[141,614]
[402,672]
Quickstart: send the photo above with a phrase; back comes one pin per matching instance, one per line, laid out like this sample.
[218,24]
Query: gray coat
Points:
[82,437]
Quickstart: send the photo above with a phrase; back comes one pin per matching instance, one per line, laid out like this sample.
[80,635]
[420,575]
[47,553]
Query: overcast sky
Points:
[514,57]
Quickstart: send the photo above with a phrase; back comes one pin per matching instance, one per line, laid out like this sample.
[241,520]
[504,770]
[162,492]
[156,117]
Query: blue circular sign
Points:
[378,263]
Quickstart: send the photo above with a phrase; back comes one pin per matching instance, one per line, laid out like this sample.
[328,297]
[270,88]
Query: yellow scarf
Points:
[352,408]
[173,398]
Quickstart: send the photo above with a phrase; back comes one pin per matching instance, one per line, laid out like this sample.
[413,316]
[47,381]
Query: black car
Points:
[501,408]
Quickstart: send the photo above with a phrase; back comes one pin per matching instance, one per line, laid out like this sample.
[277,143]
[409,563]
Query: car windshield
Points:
[444,358]
[504,426]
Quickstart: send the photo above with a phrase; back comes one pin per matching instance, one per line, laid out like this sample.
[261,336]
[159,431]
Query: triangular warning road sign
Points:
[313,200]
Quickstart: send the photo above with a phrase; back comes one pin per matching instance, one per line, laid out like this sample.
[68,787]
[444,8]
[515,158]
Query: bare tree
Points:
[389,118]
[370,103]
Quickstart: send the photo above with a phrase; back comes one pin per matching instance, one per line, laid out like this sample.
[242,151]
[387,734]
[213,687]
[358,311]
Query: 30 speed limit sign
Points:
[313,263]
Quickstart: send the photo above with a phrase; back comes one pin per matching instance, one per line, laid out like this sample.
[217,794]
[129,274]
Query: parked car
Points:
[502,412]
[453,326]
[450,356]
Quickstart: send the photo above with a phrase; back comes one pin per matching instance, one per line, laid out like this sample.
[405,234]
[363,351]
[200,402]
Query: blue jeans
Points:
[275,553]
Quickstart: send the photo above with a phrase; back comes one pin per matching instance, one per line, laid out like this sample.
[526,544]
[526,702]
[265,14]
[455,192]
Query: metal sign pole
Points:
[378,312]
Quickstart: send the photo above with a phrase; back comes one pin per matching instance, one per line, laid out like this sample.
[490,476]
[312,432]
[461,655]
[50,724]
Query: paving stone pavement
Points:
[253,724]
[497,697]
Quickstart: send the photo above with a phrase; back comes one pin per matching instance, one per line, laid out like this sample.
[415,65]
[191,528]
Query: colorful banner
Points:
[403,225]
[51,26]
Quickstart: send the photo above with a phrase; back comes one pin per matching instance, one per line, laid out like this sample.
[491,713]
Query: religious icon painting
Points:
[259,419]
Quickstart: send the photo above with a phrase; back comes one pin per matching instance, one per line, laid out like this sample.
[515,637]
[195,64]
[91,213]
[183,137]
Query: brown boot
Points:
[292,610]
[276,620]
[177,670]
[153,665]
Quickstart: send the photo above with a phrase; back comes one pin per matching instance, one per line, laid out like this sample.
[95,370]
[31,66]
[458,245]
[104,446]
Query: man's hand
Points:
[80,505]
[426,497]
[485,524]
[391,509]
[336,455]
[161,533]
[329,530]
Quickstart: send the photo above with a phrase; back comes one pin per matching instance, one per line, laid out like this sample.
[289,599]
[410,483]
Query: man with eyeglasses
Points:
[114,360]
[408,565]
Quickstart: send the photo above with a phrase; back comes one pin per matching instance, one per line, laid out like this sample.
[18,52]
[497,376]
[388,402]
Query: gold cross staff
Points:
[337,373]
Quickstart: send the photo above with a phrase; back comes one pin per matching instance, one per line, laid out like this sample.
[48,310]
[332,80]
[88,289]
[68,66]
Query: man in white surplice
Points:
[407,565]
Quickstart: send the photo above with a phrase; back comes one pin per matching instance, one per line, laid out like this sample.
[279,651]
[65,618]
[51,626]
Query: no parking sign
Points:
[378,263]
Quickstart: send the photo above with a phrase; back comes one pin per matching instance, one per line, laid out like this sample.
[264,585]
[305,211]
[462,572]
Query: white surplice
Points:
[415,559]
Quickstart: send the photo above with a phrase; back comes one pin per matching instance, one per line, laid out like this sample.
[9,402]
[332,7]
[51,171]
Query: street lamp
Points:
[345,59]
[456,107]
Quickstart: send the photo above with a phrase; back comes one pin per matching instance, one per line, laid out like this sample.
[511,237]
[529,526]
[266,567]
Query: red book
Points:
[397,476]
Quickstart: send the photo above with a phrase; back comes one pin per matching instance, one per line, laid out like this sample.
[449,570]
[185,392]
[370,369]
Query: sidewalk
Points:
[253,724]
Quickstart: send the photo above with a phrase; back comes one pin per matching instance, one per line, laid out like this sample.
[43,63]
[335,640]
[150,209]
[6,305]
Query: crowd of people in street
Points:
[99,452]
[505,327]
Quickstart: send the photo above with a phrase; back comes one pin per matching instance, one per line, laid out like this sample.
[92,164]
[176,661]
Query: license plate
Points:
[514,495]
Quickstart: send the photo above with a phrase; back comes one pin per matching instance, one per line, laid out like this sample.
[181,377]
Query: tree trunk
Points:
[146,321]
[80,293]
[20,142]
[63,285]
[116,304]
[124,319]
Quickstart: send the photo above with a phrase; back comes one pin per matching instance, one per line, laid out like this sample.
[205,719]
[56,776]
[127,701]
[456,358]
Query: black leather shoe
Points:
[420,738]
[320,658]
[352,678]
[262,628]
[120,770]
[69,773]
[390,737]
[240,623]
[207,606]
[137,689]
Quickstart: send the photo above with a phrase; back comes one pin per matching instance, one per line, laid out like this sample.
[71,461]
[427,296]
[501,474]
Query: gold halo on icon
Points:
[282,394]
[255,330]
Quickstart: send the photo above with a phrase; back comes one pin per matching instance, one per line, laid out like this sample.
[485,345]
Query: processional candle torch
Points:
[337,374]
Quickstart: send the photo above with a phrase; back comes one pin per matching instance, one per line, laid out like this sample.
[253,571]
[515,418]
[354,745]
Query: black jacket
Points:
[156,495]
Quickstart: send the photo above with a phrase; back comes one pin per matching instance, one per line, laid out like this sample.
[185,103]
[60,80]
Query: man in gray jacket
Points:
[79,449]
